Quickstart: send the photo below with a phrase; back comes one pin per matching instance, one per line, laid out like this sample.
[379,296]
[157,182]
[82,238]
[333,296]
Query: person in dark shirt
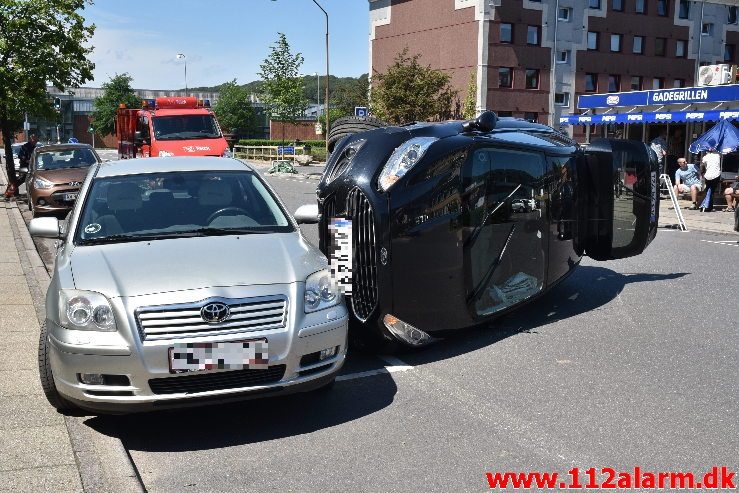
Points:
[24,155]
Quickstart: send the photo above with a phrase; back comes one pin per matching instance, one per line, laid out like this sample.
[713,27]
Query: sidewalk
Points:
[35,449]
[715,222]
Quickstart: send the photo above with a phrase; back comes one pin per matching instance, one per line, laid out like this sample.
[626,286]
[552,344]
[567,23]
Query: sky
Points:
[222,40]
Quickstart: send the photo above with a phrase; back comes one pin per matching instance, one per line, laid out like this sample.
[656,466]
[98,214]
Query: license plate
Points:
[70,197]
[199,356]
[340,252]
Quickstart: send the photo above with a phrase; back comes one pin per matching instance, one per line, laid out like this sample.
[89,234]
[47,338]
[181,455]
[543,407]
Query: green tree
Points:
[351,94]
[469,106]
[409,91]
[116,91]
[40,41]
[282,86]
[234,109]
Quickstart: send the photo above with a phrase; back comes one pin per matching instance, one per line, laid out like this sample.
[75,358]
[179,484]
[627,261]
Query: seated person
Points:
[732,196]
[688,180]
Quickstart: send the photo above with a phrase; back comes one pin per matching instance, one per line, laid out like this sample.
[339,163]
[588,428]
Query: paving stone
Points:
[10,268]
[19,383]
[15,295]
[61,479]
[18,355]
[41,446]
[9,256]
[27,411]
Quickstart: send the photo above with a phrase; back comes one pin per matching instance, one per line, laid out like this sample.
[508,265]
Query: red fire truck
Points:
[169,126]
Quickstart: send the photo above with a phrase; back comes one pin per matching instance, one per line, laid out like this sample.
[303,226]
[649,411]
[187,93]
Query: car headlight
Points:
[321,292]
[85,310]
[403,159]
[42,184]
[226,153]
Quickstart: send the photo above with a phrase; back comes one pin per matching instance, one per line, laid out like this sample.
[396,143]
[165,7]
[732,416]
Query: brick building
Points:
[534,58]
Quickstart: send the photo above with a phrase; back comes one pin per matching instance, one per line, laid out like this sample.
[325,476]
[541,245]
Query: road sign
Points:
[26,126]
[360,111]
[319,129]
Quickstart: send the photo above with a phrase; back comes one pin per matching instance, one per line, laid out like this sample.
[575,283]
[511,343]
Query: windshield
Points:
[178,204]
[181,127]
[68,158]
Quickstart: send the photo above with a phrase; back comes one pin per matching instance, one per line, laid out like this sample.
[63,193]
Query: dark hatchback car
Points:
[55,175]
[432,227]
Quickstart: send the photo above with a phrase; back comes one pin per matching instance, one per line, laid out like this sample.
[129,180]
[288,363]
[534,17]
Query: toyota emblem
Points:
[214,313]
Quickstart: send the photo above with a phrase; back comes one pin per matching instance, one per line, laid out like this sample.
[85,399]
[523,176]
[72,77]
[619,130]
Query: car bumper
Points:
[69,358]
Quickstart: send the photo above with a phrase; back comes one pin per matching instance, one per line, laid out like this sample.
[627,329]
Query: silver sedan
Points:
[181,281]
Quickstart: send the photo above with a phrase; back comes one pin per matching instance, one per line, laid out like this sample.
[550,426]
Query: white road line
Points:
[725,243]
[394,366]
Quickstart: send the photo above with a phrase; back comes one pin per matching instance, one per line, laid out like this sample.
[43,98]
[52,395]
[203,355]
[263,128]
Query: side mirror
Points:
[307,214]
[45,227]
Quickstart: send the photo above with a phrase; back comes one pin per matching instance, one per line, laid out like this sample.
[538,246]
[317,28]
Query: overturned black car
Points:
[432,227]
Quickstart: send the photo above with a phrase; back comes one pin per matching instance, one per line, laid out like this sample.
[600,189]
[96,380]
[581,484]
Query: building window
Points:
[614,83]
[617,5]
[562,98]
[658,83]
[563,56]
[592,40]
[591,82]
[659,46]
[732,15]
[504,113]
[594,4]
[680,48]
[638,45]
[531,116]
[636,83]
[678,83]
[506,32]
[662,9]
[532,78]
[532,35]
[684,10]
[565,14]
[729,53]
[615,42]
[640,7]
[707,29]
[505,77]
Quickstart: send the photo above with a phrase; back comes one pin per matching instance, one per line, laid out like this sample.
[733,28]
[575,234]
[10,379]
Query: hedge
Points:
[279,142]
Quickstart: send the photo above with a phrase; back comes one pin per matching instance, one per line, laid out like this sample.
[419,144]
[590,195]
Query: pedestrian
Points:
[711,169]
[732,196]
[659,146]
[24,155]
[688,180]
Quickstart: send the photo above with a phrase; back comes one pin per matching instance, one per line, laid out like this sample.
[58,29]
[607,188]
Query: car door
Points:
[504,249]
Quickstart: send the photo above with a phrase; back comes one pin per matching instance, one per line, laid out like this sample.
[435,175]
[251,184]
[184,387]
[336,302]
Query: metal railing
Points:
[268,153]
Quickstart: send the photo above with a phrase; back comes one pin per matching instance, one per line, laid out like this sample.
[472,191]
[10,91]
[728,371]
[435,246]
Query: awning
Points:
[654,117]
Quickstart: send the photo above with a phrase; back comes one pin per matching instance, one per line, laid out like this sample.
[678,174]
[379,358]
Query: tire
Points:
[47,378]
[349,125]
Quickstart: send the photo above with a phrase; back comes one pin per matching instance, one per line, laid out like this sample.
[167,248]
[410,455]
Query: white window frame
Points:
[565,99]
[565,59]
[616,37]
[567,14]
[707,29]
[678,44]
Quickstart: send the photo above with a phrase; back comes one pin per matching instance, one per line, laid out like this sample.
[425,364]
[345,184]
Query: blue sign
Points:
[360,111]
[655,117]
[684,95]
[285,150]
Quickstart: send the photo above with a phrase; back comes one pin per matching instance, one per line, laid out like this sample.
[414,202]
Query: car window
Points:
[182,127]
[176,204]
[67,158]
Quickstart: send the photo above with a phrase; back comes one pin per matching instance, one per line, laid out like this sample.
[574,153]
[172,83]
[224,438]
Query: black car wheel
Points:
[349,125]
[47,377]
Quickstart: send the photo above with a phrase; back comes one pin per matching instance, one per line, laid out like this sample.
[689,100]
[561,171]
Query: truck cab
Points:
[169,126]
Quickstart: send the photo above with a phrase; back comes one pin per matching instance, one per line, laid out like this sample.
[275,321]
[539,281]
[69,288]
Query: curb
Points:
[103,463]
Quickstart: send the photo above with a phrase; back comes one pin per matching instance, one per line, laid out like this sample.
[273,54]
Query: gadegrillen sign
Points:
[685,95]
[651,117]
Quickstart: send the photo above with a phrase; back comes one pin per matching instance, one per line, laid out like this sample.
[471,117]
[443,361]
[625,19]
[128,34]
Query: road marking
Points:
[725,243]
[394,365]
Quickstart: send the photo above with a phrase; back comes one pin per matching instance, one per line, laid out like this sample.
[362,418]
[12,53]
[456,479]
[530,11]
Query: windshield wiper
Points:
[226,231]
[118,238]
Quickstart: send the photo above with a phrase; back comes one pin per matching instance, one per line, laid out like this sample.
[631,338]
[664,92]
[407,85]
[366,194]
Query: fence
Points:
[268,153]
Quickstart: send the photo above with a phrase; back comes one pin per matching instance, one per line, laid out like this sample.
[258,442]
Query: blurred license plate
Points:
[70,197]
[340,252]
[198,356]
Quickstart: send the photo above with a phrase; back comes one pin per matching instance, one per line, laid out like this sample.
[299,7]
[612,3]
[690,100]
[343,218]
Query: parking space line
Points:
[725,243]
[394,366]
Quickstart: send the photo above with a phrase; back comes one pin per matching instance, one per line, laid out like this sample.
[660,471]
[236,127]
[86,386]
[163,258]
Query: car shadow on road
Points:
[252,421]
[588,288]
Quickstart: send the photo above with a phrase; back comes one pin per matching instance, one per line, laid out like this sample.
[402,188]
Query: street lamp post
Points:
[180,56]
[326,99]
[318,94]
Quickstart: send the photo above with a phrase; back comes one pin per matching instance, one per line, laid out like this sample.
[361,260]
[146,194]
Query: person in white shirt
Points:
[711,168]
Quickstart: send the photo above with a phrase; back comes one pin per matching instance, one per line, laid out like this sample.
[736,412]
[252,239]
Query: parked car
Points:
[180,281]
[16,147]
[55,174]
[418,222]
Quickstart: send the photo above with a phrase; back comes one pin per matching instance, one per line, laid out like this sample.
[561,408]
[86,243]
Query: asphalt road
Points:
[627,363]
